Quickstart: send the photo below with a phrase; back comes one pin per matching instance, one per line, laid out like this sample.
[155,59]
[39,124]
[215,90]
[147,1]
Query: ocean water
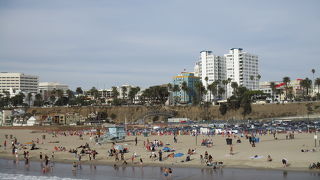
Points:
[10,170]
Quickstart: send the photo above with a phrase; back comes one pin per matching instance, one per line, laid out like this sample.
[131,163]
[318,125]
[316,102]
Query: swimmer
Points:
[74,165]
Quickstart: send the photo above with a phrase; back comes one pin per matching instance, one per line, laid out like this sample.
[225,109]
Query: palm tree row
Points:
[305,84]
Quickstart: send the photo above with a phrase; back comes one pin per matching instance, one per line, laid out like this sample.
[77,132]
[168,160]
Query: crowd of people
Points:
[154,147]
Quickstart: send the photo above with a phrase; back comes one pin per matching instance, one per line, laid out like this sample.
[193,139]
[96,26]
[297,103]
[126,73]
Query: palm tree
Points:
[317,83]
[184,88]
[212,88]
[124,92]
[286,80]
[252,78]
[29,97]
[200,89]
[52,99]
[307,84]
[115,93]
[273,88]
[175,89]
[221,91]
[313,71]
[206,79]
[225,83]
[53,92]
[79,90]
[290,93]
[38,100]
[258,77]
[59,93]
[234,86]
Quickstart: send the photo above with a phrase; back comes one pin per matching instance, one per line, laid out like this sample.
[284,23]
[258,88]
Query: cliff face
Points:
[135,113]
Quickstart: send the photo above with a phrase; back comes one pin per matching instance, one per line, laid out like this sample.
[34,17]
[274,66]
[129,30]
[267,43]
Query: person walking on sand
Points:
[284,162]
[231,150]
[136,140]
[132,158]
[160,155]
[5,144]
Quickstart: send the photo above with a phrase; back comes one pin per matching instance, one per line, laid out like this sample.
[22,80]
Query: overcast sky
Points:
[103,43]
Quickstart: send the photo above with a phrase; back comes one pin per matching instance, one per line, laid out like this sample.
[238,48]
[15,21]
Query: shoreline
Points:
[148,164]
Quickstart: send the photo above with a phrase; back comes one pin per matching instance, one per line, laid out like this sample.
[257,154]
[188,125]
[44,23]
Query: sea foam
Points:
[6,176]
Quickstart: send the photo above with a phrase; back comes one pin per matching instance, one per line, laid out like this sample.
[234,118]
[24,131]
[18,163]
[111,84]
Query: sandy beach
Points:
[243,153]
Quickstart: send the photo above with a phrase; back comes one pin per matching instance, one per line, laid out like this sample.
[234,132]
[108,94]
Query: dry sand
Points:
[278,149]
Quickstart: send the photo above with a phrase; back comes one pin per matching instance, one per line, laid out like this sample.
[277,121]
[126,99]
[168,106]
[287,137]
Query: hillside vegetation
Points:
[134,113]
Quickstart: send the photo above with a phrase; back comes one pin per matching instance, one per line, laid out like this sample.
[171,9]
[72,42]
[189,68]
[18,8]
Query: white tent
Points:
[31,121]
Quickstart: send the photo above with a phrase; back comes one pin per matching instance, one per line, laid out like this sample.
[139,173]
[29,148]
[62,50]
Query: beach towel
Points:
[178,155]
[256,157]
[166,149]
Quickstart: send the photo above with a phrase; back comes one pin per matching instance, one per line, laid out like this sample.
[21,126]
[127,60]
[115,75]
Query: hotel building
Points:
[18,81]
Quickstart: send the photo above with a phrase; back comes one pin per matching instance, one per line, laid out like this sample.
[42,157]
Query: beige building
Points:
[49,86]
[46,87]
[19,81]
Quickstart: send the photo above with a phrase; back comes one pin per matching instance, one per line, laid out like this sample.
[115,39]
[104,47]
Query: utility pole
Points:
[315,136]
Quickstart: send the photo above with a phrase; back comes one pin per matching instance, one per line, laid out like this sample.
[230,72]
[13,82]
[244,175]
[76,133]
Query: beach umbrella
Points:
[178,155]
[118,147]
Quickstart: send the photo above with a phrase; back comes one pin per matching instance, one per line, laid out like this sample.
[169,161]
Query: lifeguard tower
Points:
[113,133]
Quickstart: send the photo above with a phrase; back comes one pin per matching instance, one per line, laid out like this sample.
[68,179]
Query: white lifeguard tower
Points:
[113,133]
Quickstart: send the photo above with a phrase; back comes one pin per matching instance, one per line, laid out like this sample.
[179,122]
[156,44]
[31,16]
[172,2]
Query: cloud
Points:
[147,42]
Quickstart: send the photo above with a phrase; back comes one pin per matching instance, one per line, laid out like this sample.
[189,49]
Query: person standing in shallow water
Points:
[74,166]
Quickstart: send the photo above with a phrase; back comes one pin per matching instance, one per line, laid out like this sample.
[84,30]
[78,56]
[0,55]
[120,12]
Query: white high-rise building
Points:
[211,66]
[18,81]
[242,68]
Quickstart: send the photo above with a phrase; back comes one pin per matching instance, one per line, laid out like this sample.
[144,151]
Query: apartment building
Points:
[242,67]
[210,66]
[182,95]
